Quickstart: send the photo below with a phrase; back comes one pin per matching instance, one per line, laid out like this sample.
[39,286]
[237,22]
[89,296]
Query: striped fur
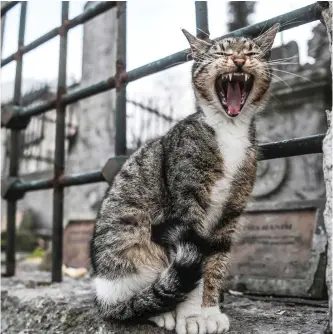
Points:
[166,225]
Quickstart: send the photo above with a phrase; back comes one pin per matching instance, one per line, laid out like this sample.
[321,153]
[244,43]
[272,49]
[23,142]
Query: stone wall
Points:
[293,112]
[95,142]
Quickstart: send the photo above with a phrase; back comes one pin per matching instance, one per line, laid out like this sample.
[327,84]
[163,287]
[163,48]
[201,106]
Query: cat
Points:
[163,234]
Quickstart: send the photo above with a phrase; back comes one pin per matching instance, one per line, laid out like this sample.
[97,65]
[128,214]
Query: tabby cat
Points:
[166,225]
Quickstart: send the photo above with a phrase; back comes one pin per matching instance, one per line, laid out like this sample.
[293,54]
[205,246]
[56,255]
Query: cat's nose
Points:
[239,62]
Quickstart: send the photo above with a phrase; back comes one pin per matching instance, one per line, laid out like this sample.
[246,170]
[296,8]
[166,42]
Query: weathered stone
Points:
[77,237]
[282,251]
[30,304]
[327,166]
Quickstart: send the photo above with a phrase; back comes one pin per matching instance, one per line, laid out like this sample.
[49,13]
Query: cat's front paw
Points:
[166,320]
[191,325]
[216,322]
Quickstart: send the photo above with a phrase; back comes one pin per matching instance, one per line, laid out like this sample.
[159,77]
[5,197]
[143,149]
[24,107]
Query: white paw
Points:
[191,325]
[166,320]
[217,324]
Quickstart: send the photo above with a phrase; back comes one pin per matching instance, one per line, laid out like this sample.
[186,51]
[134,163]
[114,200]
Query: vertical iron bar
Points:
[14,154]
[59,155]
[3,23]
[201,18]
[120,141]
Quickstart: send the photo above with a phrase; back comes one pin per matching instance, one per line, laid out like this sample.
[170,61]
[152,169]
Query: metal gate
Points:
[17,117]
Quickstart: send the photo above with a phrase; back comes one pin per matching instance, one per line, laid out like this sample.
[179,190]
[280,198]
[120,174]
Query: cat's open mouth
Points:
[233,90]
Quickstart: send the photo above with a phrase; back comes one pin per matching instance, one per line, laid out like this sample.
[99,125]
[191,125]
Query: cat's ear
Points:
[266,40]
[198,46]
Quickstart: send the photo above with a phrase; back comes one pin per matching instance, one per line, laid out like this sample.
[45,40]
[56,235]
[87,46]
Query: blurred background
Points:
[301,93]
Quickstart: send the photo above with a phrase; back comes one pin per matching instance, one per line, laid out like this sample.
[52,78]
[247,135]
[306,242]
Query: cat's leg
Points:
[189,318]
[214,278]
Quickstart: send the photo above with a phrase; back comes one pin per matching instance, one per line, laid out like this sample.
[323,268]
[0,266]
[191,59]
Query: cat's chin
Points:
[232,90]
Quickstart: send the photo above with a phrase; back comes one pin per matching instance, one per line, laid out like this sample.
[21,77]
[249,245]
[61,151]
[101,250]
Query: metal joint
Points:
[9,191]
[64,28]
[10,118]
[112,167]
[18,54]
[121,74]
[60,91]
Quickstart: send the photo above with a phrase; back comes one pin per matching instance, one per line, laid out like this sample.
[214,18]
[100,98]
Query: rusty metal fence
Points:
[17,117]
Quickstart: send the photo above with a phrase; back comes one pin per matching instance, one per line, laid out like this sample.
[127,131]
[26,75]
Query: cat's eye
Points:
[251,54]
[225,54]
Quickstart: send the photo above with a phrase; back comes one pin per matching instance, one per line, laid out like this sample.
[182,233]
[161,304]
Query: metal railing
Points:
[17,117]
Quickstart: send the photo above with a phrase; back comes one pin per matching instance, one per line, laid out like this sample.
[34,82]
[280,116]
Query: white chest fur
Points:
[233,141]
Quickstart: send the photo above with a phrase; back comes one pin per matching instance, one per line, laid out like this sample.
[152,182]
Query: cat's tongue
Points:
[234,98]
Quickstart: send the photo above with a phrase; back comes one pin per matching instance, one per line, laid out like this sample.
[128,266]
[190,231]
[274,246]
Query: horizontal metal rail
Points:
[292,147]
[289,20]
[8,5]
[82,18]
[274,150]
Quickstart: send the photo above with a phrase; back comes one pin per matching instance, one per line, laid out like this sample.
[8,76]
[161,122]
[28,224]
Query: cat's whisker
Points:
[297,75]
[175,64]
[282,81]
[281,63]
[271,94]
[265,72]
[203,32]
[296,55]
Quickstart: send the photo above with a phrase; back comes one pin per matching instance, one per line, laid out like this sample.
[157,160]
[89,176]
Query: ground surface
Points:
[30,304]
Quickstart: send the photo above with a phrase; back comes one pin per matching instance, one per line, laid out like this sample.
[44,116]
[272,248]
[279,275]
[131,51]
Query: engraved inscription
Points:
[274,244]
[77,237]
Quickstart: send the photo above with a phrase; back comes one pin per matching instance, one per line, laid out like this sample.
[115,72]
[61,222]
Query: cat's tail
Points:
[170,288]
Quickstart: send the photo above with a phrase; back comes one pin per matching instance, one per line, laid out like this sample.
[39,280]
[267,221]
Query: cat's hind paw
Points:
[165,320]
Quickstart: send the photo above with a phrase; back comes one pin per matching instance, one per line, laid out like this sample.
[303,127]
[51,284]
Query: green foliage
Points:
[37,252]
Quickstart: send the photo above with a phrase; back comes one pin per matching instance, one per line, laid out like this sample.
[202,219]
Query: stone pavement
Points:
[30,304]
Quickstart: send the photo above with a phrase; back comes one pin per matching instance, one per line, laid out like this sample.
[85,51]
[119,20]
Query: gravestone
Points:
[77,237]
[281,251]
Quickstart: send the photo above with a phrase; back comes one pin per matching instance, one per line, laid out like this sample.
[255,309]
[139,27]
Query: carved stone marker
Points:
[281,252]
[77,237]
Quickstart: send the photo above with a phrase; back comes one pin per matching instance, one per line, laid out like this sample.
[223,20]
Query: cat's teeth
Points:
[246,77]
[230,76]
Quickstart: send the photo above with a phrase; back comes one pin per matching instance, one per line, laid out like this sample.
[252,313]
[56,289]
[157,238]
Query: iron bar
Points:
[289,20]
[275,150]
[120,117]
[292,147]
[64,181]
[14,154]
[7,5]
[59,154]
[3,25]
[201,18]
[82,18]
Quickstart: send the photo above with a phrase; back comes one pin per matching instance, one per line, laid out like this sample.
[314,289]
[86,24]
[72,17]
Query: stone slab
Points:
[281,252]
[30,304]
[77,237]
